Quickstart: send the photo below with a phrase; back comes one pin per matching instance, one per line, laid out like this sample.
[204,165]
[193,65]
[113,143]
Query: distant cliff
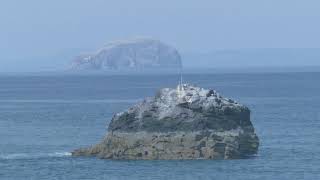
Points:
[130,54]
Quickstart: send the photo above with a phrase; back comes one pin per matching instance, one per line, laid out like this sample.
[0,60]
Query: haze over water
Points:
[45,36]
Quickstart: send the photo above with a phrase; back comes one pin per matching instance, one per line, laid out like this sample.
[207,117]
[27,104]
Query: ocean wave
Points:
[14,156]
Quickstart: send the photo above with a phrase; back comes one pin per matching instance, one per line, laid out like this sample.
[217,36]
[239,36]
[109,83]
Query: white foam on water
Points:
[60,154]
[69,101]
[15,156]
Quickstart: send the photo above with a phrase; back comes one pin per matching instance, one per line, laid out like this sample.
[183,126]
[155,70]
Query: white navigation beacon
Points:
[180,89]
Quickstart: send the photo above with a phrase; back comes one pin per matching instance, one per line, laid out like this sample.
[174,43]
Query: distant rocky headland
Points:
[140,53]
[188,122]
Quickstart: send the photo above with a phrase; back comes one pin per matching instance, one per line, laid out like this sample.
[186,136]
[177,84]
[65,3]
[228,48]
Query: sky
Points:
[42,28]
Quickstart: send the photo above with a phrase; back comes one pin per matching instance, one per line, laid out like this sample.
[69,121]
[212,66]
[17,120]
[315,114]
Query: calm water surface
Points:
[43,118]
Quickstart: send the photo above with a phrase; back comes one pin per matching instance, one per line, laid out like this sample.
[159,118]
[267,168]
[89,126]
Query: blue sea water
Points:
[44,117]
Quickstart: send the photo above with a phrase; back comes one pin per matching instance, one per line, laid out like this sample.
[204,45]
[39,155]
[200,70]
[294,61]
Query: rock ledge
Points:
[183,123]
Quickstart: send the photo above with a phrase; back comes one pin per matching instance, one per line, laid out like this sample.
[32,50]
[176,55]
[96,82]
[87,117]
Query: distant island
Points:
[140,53]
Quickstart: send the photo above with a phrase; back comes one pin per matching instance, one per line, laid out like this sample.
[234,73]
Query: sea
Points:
[43,117]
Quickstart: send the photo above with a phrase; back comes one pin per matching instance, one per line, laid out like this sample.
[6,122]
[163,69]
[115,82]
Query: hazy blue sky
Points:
[40,28]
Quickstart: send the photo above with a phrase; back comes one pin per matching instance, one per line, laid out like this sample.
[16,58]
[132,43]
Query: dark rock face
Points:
[131,54]
[184,123]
